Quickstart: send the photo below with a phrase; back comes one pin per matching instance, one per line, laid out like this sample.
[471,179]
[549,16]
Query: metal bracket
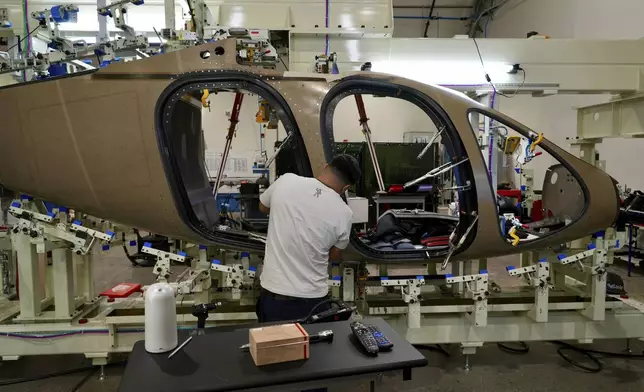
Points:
[411,294]
[162,266]
[234,273]
[335,282]
[477,286]
[538,275]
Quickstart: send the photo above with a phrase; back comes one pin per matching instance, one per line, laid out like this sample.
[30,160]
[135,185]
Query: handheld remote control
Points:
[365,338]
[384,344]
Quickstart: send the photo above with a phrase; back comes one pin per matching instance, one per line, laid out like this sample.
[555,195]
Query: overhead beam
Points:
[446,6]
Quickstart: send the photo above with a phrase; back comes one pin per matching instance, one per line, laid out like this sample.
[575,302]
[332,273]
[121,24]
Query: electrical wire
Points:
[489,80]
[563,350]
[522,348]
[83,381]
[25,37]
[486,11]
[437,349]
[283,63]
[56,374]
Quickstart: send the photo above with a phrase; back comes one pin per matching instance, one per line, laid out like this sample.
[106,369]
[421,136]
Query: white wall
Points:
[556,116]
[247,142]
[389,119]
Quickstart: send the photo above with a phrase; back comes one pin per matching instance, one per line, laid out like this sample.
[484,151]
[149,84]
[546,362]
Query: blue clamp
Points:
[105,247]
[544,260]
[591,246]
[509,268]
[147,244]
[518,170]
[448,276]
[245,254]
[215,261]
[26,197]
[203,247]
[181,253]
[617,244]
[337,277]
[561,256]
[111,234]
[599,234]
[420,277]
[15,204]
[384,278]
[519,205]
[63,209]
[483,272]
[523,188]
[252,268]
[132,242]
[77,222]
[140,2]
[51,214]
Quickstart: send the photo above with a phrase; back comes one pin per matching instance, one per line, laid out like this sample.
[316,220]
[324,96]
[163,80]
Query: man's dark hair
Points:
[346,168]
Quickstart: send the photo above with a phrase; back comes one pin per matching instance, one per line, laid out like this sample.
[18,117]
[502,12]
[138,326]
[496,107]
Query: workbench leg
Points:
[30,284]
[63,271]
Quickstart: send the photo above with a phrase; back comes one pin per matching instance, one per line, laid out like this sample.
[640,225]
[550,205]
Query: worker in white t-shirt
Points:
[309,224]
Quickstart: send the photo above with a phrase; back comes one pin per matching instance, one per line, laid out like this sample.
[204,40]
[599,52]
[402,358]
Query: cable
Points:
[437,349]
[478,19]
[83,381]
[56,374]
[565,346]
[522,349]
[25,37]
[489,80]
[282,60]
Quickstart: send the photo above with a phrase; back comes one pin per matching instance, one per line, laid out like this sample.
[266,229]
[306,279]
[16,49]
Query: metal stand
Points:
[234,119]
[364,123]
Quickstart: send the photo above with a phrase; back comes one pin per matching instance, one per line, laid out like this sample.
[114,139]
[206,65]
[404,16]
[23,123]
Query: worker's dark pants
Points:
[274,307]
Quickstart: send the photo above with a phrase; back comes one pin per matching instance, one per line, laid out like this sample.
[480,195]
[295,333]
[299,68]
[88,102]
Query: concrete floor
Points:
[492,369]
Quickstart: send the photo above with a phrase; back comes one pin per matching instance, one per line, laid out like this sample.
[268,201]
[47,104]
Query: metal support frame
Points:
[29,277]
[538,276]
[477,286]
[348,284]
[411,294]
[118,11]
[162,267]
[63,270]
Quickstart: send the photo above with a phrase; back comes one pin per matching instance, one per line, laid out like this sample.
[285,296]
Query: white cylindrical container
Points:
[160,318]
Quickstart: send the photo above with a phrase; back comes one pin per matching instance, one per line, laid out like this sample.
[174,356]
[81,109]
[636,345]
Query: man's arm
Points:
[335,253]
[265,198]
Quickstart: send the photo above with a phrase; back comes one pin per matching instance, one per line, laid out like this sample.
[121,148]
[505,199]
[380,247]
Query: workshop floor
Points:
[492,369]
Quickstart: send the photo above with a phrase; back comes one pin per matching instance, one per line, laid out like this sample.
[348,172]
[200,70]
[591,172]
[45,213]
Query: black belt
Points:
[271,294]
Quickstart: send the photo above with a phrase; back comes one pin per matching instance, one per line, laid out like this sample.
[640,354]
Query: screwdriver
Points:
[324,336]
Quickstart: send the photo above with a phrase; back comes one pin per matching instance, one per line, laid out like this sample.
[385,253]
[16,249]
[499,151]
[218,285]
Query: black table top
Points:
[214,362]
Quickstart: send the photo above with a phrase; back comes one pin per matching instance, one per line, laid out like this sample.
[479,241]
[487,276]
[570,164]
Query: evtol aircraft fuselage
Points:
[124,143]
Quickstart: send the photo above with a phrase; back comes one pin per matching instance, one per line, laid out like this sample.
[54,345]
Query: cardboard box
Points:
[278,343]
